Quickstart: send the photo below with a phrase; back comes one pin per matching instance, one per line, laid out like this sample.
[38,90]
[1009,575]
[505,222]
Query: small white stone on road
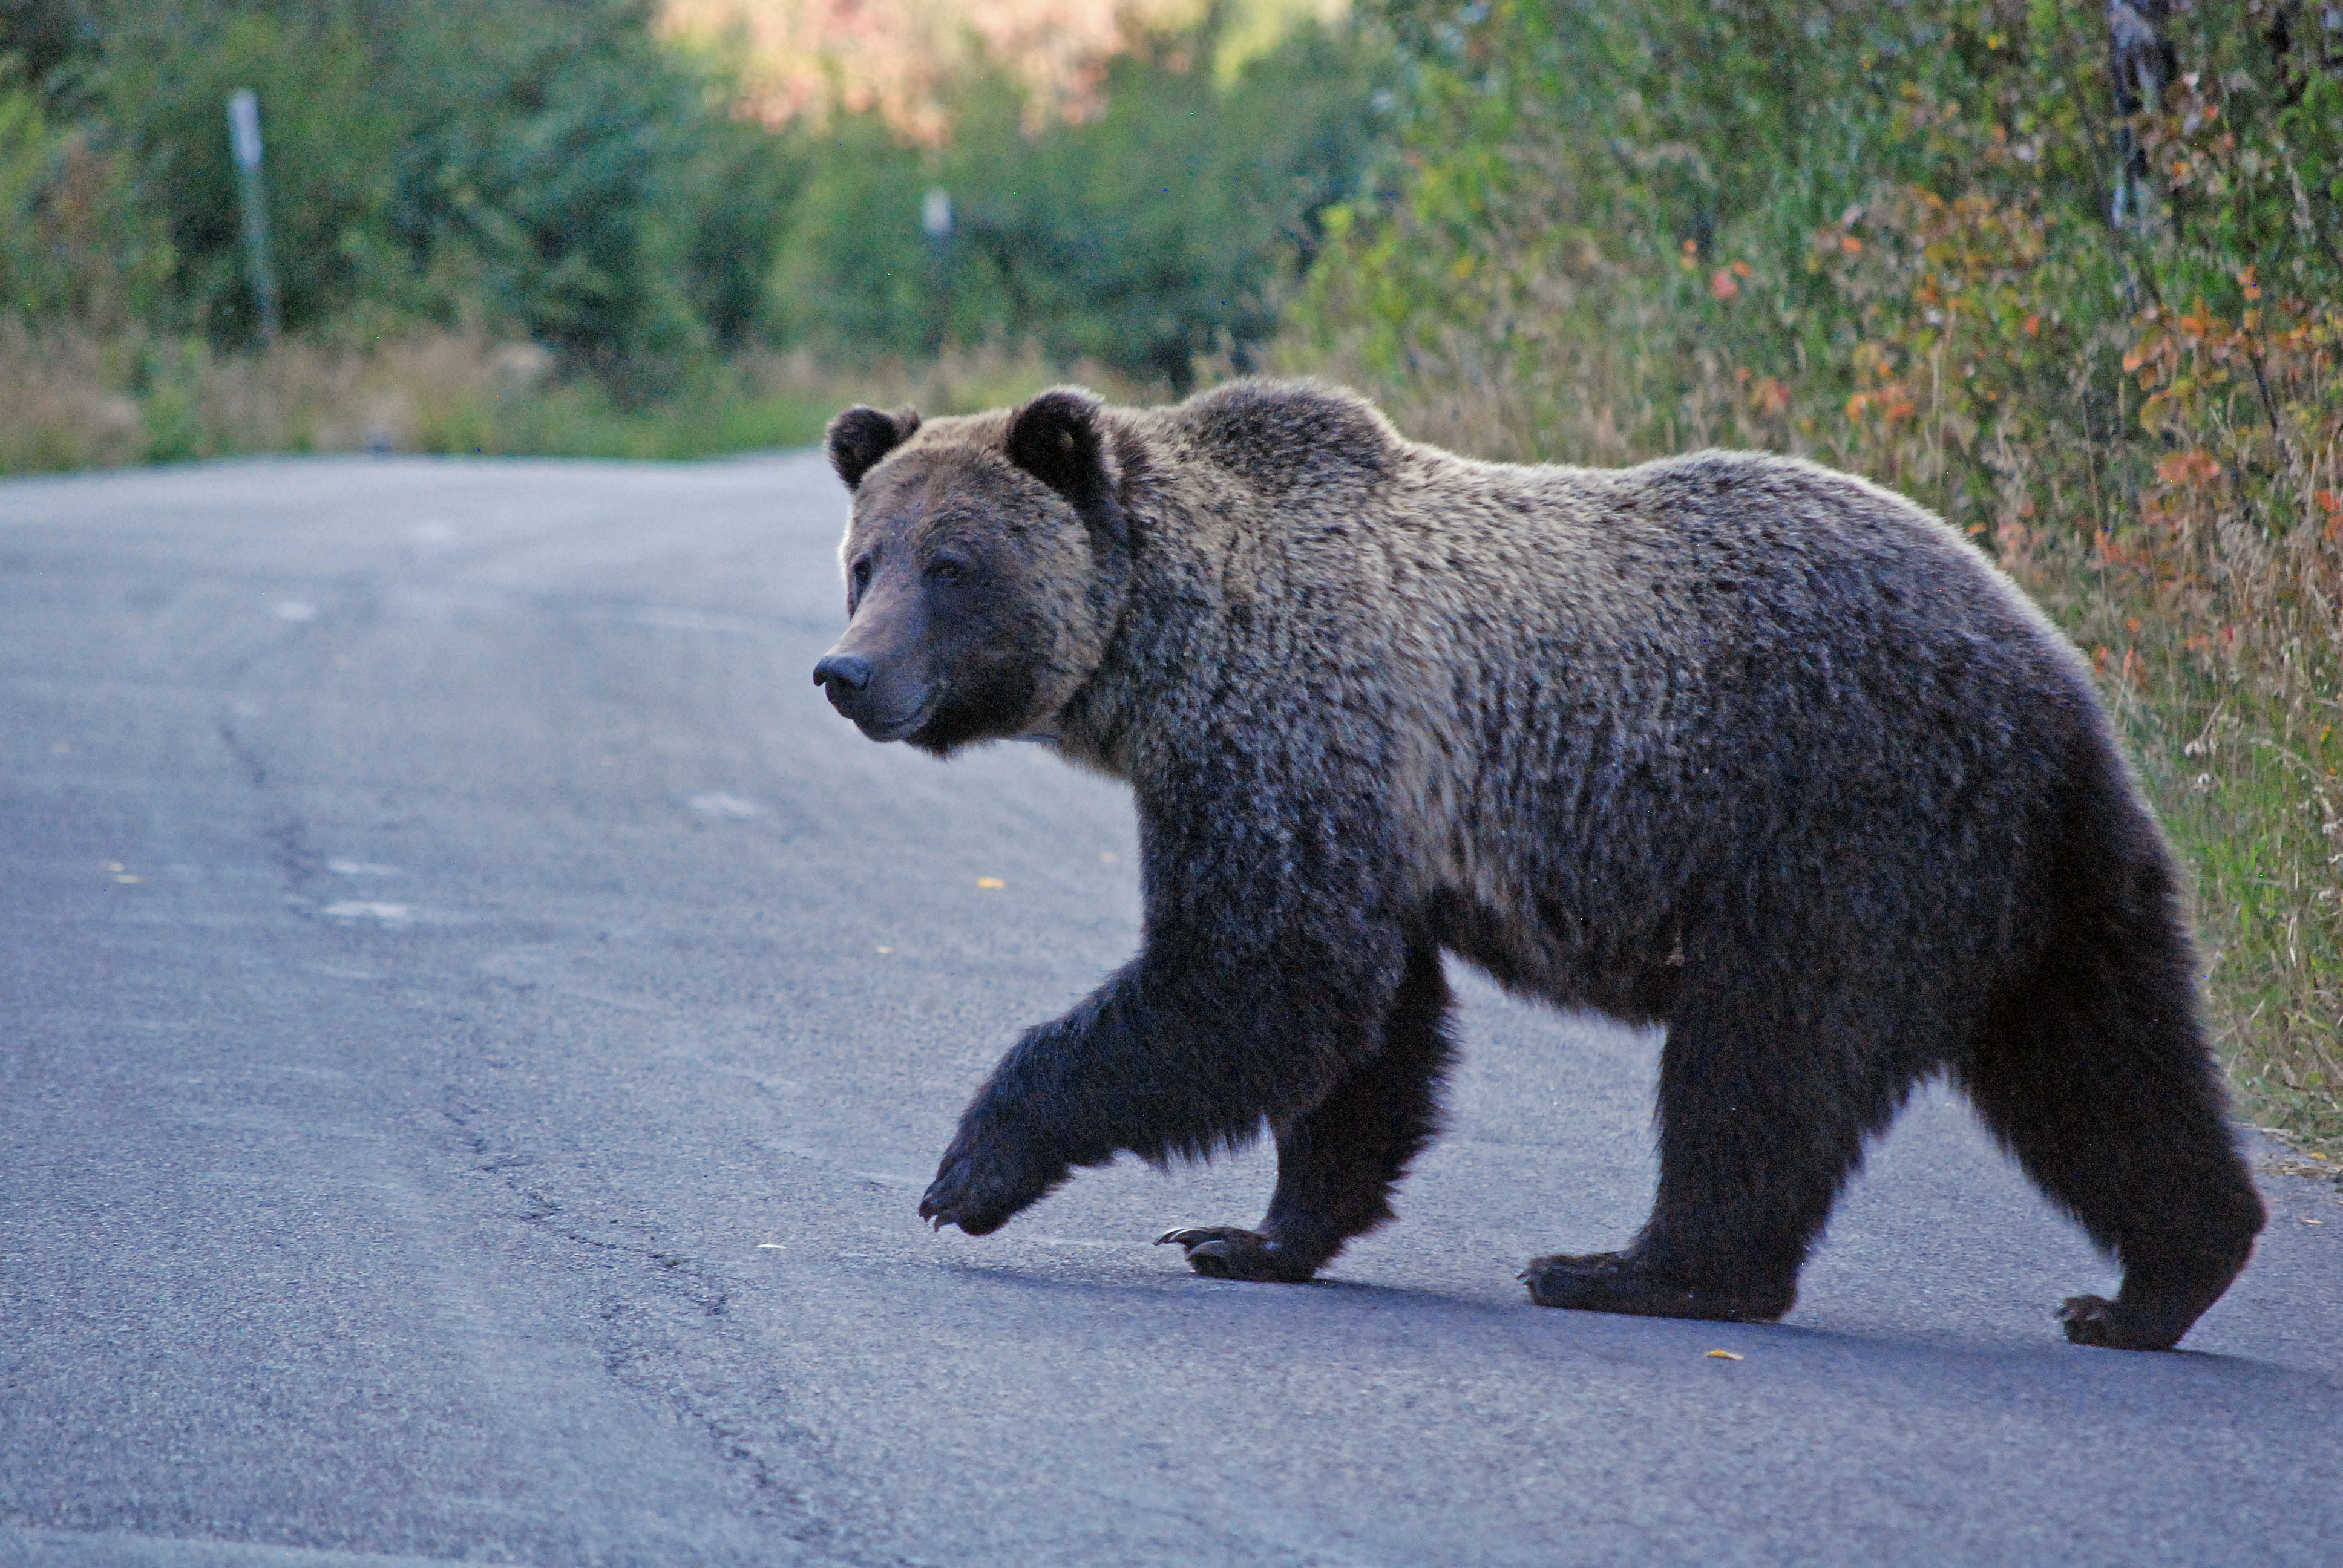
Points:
[718,804]
[360,909]
[296,610]
[360,868]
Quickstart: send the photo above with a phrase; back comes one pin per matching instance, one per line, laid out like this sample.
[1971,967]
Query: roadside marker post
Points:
[936,223]
[244,141]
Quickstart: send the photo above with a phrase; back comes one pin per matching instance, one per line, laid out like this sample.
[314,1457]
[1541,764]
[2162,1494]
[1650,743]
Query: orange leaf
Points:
[1721,284]
[2189,469]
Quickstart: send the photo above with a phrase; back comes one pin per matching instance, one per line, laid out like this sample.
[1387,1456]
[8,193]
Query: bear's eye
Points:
[862,574]
[945,569]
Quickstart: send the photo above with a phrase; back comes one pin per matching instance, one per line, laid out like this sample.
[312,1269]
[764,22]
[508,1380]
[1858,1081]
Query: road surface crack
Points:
[642,1341]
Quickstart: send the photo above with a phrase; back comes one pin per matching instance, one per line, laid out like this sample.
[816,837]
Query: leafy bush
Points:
[527,165]
[550,169]
[162,81]
[74,243]
[1166,229]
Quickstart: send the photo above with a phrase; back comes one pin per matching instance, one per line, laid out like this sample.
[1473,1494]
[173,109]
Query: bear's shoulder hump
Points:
[1283,434]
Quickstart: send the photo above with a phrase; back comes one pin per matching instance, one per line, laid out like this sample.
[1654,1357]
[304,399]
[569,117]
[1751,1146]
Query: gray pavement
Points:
[474,1027]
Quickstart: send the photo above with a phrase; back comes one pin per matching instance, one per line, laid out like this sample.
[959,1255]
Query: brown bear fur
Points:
[1729,743]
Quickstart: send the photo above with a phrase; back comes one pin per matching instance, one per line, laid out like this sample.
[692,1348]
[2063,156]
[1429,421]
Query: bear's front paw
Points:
[1225,1253]
[979,1186]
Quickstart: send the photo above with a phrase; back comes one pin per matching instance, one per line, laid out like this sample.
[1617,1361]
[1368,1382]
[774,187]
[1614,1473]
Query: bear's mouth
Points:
[884,730]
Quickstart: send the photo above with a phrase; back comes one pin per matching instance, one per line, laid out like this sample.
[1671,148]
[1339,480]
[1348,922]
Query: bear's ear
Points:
[861,436]
[1059,439]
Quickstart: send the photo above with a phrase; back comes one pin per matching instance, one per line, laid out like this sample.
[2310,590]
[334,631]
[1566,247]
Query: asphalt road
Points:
[474,1027]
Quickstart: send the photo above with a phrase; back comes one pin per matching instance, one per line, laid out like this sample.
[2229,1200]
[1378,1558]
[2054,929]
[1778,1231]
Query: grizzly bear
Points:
[1729,743]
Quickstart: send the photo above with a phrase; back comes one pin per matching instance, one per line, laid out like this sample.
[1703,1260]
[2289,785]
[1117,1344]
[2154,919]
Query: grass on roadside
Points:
[70,400]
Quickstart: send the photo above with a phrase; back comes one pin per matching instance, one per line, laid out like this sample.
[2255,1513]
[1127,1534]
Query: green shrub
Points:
[1166,229]
[75,243]
[164,79]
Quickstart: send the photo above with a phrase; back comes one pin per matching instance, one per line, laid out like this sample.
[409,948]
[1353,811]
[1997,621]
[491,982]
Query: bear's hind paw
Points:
[1616,1283]
[2097,1320]
[1225,1253]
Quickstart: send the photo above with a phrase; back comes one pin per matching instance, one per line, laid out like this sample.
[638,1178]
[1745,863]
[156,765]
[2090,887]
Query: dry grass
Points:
[71,400]
[57,406]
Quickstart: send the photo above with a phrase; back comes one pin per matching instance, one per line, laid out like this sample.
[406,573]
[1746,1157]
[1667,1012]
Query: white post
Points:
[244,141]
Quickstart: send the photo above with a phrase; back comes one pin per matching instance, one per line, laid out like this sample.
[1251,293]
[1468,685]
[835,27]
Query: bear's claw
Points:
[1225,1253]
[979,1191]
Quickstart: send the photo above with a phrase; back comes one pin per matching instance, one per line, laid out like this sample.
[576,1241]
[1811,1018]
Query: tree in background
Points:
[546,168]
[622,189]
[1165,227]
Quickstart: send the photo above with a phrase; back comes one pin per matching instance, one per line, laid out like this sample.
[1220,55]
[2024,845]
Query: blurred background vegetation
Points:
[2071,275]
[588,226]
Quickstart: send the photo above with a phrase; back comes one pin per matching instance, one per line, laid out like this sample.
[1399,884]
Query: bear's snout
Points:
[885,704]
[842,676]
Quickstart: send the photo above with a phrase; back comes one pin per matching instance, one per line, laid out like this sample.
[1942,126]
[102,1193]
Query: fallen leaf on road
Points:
[1725,1355]
[2323,1170]
[991,883]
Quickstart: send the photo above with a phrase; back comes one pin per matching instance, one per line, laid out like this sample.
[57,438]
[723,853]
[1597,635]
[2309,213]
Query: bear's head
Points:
[985,559]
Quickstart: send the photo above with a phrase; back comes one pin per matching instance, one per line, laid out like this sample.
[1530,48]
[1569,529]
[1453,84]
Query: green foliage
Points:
[541,167]
[549,169]
[164,80]
[1690,179]
[74,241]
[1165,229]
[568,166]
[853,277]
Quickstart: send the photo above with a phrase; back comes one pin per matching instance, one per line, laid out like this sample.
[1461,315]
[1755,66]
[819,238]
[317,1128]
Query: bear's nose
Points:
[851,672]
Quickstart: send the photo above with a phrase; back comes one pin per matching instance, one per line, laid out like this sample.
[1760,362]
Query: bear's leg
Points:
[1337,1163]
[1765,1102]
[2095,1076]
